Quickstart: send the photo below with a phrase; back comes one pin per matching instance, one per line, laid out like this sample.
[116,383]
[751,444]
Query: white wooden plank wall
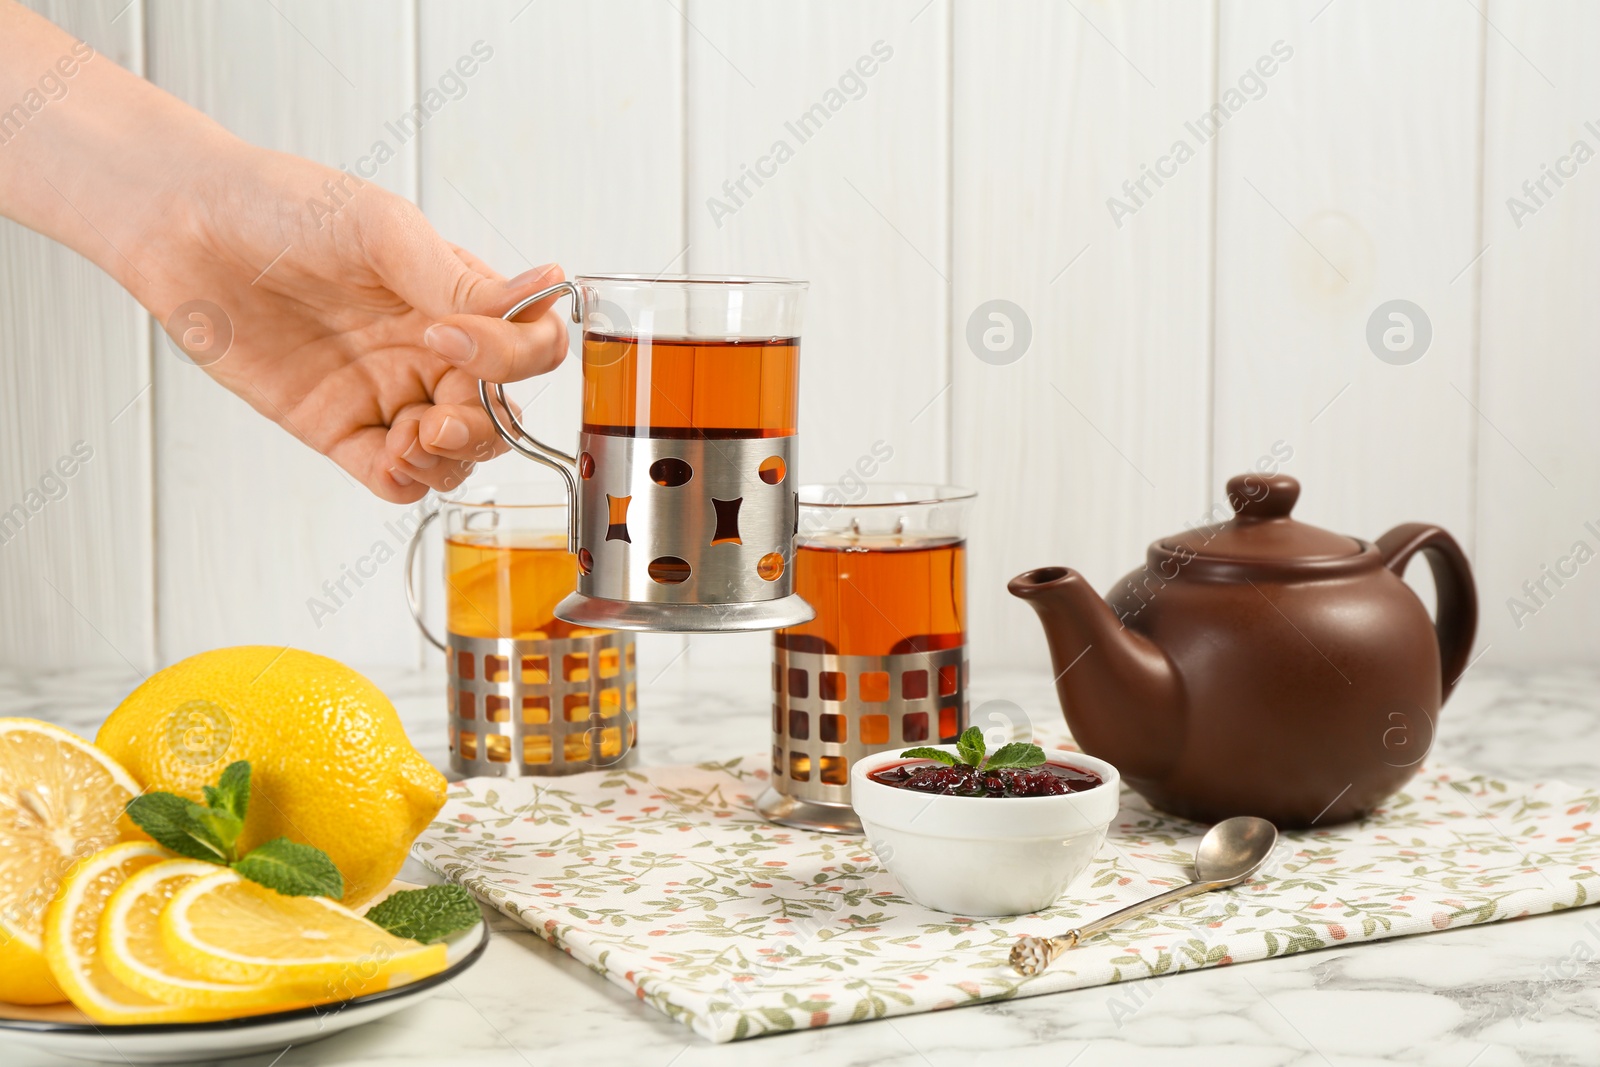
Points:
[251,523]
[1350,182]
[1092,441]
[76,564]
[1218,315]
[860,210]
[566,148]
[1538,438]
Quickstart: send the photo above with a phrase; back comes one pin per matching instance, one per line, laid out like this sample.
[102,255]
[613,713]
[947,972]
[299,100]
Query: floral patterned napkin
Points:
[666,881]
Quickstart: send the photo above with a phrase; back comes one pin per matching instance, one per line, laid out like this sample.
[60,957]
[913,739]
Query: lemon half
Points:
[61,800]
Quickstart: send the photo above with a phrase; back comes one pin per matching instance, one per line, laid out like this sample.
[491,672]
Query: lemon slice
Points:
[231,929]
[130,942]
[71,941]
[60,799]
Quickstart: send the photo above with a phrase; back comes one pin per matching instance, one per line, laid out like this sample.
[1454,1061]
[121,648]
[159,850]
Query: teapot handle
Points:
[1457,621]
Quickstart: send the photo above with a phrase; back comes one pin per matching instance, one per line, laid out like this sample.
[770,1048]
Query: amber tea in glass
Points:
[528,692]
[694,389]
[507,583]
[883,663]
[879,594]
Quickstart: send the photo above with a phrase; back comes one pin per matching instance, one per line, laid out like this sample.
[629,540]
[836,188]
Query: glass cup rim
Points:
[916,493]
[472,497]
[668,281]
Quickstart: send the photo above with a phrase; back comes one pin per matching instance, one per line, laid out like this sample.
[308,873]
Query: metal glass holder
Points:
[543,707]
[829,711]
[534,706]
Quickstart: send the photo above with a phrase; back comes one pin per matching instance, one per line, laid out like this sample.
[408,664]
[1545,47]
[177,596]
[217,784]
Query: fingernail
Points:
[419,457]
[400,478]
[529,276]
[452,435]
[452,343]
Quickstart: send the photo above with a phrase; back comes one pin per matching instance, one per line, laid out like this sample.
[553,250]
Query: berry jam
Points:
[927,776]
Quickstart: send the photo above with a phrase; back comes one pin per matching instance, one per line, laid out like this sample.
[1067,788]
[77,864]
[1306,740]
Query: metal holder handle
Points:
[412,600]
[517,435]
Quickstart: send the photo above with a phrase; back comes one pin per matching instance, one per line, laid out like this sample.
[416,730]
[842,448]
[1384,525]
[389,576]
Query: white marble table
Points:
[1525,992]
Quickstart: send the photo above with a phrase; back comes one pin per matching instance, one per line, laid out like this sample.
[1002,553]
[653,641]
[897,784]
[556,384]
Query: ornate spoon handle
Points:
[1030,955]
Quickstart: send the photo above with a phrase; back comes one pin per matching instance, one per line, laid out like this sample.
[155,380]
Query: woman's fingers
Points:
[393,485]
[366,456]
[463,298]
[475,263]
[403,443]
[445,476]
[458,431]
[481,344]
[498,351]
[456,426]
[408,459]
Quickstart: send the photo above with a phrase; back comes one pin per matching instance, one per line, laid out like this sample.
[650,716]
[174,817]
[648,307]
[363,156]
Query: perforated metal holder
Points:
[685,535]
[542,707]
[829,711]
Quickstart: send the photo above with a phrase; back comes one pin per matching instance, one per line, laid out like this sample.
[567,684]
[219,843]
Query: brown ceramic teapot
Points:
[1261,666]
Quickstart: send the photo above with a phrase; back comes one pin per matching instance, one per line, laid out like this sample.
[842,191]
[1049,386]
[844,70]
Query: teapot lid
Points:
[1261,528]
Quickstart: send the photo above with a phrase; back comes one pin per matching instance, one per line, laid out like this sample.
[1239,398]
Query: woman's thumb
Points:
[424,270]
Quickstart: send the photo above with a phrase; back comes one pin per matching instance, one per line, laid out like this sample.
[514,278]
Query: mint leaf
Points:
[426,915]
[232,791]
[293,869]
[971,746]
[938,754]
[1016,754]
[219,829]
[167,819]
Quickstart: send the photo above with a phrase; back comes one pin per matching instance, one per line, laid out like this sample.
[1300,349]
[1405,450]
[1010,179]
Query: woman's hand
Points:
[354,325]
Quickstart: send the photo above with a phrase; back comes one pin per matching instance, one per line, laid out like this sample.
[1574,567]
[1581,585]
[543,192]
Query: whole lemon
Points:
[330,764]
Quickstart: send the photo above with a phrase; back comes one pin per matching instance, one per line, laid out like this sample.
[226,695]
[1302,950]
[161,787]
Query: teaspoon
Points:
[1231,851]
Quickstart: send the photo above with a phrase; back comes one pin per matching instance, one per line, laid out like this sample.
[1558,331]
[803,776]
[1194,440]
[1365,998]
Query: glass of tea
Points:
[884,662]
[528,693]
[682,484]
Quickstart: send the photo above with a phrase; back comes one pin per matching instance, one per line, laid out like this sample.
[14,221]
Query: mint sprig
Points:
[168,819]
[970,751]
[232,791]
[211,832]
[970,746]
[426,915]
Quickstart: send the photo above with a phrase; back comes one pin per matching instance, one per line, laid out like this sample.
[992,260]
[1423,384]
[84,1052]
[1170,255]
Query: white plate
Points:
[63,1030]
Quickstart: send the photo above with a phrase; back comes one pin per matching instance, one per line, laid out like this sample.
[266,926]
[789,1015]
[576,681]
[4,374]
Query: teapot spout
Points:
[1122,697]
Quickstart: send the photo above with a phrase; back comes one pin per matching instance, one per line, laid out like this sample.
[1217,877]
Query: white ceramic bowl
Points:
[982,856]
